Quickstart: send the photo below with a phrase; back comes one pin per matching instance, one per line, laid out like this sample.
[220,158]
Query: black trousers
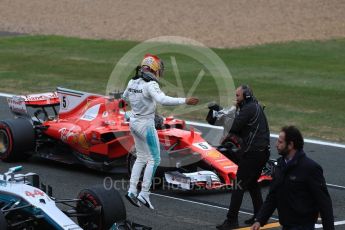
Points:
[248,173]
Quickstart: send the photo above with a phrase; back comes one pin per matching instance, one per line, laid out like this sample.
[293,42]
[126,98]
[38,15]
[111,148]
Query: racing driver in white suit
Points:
[143,93]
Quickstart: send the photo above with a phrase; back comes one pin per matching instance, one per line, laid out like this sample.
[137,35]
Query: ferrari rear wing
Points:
[18,104]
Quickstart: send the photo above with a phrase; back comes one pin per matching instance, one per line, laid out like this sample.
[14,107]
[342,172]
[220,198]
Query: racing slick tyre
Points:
[3,222]
[102,208]
[17,138]
[158,179]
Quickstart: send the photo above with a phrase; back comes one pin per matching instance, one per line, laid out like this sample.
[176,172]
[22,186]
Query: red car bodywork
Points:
[95,129]
[88,136]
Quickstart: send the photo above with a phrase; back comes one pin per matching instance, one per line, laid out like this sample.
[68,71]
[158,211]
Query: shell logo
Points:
[74,139]
[214,154]
[82,141]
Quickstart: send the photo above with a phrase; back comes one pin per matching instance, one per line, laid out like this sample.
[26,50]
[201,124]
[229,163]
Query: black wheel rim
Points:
[92,222]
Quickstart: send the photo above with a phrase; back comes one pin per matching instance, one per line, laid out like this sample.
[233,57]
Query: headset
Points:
[247,92]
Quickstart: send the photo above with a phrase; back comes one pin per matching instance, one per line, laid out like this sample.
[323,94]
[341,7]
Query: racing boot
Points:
[144,198]
[132,198]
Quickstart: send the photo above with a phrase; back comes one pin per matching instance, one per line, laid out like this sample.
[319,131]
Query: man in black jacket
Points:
[298,190]
[250,124]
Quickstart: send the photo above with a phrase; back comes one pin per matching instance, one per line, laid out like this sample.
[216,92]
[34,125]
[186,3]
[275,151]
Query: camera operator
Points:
[251,127]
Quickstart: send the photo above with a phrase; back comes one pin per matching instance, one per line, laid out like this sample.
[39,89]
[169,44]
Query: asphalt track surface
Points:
[180,210]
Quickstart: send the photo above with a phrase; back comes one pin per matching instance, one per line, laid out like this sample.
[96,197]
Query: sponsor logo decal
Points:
[66,134]
[34,193]
[17,104]
[91,113]
[135,90]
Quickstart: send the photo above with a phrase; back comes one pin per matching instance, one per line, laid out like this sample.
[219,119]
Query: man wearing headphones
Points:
[250,124]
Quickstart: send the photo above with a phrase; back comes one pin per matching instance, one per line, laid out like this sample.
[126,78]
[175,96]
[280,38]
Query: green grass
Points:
[301,83]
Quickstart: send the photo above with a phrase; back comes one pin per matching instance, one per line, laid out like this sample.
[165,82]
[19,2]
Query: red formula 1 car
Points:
[77,127]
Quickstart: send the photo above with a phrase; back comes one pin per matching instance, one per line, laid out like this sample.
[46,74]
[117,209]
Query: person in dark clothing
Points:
[250,124]
[298,190]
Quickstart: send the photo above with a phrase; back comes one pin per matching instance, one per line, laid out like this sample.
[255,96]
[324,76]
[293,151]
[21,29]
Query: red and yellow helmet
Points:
[153,64]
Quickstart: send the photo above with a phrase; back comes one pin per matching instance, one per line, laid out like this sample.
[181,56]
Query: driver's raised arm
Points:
[155,92]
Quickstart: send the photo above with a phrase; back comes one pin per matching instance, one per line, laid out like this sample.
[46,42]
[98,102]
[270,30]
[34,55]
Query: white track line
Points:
[6,95]
[337,223]
[332,144]
[337,186]
[202,204]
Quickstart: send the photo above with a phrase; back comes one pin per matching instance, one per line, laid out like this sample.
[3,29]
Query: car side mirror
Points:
[122,104]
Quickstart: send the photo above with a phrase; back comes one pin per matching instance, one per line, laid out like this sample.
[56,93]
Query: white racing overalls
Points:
[142,97]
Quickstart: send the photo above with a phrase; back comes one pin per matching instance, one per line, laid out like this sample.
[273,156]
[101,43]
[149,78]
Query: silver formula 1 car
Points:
[26,204]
